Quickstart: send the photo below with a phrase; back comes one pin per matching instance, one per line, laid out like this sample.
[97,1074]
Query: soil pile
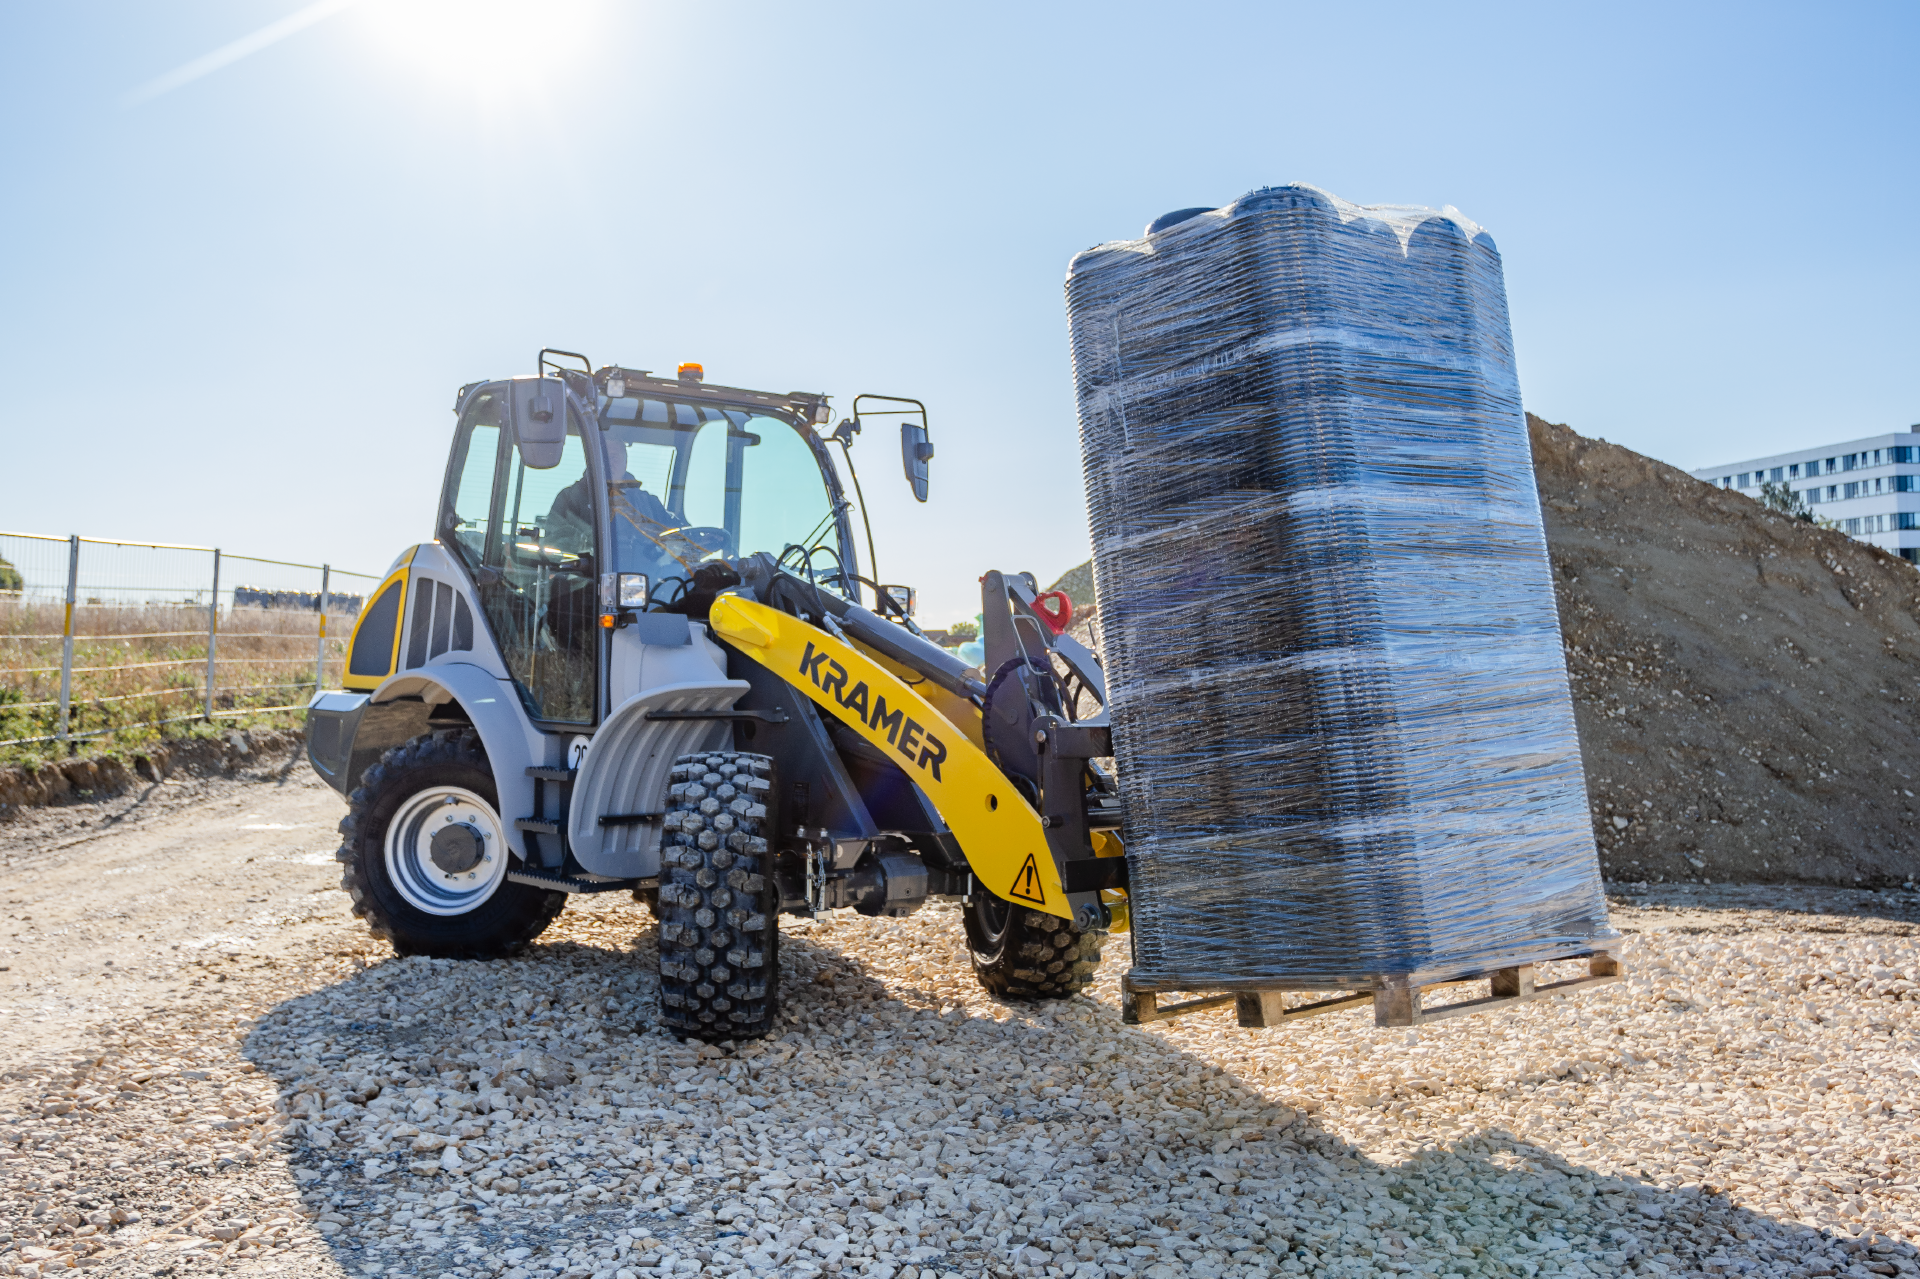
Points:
[1744,682]
[254,753]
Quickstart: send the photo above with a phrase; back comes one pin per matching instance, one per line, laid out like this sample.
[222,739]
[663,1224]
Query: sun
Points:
[496,49]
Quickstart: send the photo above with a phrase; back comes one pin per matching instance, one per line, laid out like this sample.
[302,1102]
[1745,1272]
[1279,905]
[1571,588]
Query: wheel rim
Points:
[991,916]
[445,851]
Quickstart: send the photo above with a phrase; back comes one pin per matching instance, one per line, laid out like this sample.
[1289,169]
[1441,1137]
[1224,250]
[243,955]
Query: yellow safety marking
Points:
[1026,885]
[997,829]
[369,682]
[69,629]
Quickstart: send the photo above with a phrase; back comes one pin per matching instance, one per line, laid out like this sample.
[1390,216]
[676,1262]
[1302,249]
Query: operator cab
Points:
[578,502]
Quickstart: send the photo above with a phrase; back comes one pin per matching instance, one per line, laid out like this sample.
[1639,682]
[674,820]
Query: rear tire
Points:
[718,904]
[1028,954]
[426,857]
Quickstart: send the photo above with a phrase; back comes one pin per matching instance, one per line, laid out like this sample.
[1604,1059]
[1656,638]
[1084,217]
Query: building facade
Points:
[1870,488]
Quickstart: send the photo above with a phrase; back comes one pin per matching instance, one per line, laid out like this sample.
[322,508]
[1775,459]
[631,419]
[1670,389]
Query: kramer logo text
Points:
[904,733]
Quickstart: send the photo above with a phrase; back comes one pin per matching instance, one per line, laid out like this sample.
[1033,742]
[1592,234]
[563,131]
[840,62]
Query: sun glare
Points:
[493,48]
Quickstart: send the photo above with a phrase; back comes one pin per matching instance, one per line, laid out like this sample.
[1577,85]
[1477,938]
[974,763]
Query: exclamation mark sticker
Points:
[1026,885]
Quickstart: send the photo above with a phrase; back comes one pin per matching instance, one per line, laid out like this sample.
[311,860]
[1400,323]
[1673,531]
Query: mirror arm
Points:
[846,451]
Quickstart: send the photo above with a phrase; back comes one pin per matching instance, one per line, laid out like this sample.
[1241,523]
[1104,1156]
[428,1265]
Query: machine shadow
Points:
[463,1118]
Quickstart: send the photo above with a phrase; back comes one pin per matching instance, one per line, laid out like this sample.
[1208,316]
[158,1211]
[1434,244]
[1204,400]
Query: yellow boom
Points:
[998,830]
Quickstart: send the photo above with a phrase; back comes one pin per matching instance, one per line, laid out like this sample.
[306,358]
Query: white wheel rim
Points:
[428,886]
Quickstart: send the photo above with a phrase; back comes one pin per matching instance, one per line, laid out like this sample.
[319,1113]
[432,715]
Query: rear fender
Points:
[512,742]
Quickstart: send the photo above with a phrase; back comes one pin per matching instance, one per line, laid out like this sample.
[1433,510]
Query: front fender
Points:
[626,771]
[512,742]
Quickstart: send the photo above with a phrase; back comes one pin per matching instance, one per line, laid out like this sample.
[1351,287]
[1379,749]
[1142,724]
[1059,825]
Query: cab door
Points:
[519,513]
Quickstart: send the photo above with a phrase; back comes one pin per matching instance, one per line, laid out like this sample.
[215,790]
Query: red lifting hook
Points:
[1056,618]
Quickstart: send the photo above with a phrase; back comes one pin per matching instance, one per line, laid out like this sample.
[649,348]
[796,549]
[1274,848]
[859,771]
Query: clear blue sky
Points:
[235,311]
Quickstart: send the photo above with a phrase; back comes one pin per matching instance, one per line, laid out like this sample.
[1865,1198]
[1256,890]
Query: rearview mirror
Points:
[540,420]
[915,453]
[900,598]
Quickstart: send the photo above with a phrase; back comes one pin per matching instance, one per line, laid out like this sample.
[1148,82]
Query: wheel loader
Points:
[643,654]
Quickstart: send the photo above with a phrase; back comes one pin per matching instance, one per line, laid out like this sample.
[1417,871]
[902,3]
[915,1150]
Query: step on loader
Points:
[641,656]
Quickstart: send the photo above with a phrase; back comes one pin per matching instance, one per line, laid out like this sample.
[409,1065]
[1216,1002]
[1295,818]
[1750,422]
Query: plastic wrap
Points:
[1340,709]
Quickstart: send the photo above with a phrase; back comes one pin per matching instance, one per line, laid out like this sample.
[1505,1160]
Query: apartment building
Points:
[1870,487]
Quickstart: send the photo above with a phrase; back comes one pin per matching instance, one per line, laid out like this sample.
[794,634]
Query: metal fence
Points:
[99,635]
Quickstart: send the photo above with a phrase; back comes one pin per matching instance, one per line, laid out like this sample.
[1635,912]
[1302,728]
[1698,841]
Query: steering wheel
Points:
[707,539]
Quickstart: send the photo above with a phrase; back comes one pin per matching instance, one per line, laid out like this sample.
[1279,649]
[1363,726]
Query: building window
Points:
[1850,490]
[1905,483]
[1850,527]
[1911,554]
[1744,477]
[1793,472]
[1726,481]
[1848,462]
[1909,519]
[1779,473]
[1833,464]
[1901,453]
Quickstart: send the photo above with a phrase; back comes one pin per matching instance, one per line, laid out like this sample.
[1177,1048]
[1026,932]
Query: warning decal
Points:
[1026,885]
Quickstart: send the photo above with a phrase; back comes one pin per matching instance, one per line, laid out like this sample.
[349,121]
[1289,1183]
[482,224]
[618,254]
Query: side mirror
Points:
[915,453]
[900,599]
[540,420]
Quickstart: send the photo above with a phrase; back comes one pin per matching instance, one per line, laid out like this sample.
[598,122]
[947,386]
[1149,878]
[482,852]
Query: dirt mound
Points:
[1744,682]
[260,751]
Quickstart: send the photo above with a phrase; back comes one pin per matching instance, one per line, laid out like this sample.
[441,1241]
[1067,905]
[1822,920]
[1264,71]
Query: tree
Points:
[1782,498]
[10,583]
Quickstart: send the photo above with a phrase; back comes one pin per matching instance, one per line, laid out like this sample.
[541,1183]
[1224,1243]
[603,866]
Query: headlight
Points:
[632,591]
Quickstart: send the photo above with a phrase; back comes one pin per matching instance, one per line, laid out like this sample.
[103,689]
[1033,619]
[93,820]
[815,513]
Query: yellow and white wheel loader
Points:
[641,656]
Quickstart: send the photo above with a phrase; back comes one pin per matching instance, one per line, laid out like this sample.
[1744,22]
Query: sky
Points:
[249,249]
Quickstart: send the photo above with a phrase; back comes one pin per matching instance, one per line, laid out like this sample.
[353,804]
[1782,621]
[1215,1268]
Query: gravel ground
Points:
[1745,1103]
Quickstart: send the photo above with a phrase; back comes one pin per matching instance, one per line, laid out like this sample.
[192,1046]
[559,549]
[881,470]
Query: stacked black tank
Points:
[1340,709]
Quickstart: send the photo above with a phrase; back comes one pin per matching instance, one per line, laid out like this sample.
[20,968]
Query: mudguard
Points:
[510,739]
[625,772]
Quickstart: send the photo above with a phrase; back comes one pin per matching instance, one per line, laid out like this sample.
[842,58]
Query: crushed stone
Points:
[1743,1104]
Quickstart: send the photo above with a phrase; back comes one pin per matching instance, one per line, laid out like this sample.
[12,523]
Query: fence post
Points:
[66,641]
[213,629]
[320,654]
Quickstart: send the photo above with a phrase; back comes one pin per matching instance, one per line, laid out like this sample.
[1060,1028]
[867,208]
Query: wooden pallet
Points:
[1396,1001]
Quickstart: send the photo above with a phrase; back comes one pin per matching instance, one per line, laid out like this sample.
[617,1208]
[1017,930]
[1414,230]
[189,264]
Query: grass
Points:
[137,664]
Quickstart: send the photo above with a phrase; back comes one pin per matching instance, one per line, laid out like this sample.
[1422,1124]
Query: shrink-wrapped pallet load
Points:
[1340,710]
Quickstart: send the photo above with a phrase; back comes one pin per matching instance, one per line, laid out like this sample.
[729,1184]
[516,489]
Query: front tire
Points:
[718,904]
[426,858]
[1028,954]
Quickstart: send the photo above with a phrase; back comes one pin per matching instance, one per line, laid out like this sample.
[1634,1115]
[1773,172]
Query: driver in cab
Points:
[642,525]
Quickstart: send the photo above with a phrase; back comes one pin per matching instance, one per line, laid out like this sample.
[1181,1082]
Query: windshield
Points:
[693,482]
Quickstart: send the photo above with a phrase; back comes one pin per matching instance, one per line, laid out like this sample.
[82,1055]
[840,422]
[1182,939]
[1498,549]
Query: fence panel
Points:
[98,635]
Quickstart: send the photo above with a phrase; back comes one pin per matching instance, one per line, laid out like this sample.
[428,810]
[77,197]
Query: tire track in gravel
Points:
[1744,1104]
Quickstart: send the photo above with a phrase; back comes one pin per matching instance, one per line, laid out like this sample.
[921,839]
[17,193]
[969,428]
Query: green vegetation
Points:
[10,580]
[1781,498]
[134,666]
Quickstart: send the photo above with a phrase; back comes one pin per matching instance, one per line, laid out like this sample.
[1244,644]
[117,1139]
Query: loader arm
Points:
[1003,837]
